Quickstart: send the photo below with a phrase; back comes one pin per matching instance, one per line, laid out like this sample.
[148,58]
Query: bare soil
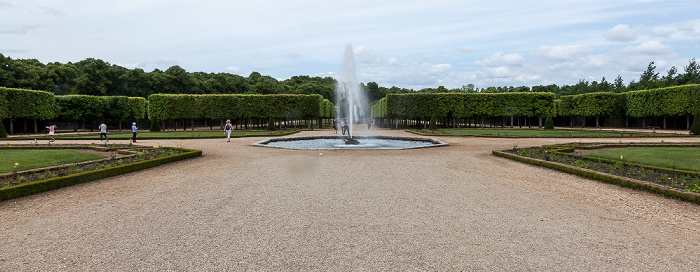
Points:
[453,208]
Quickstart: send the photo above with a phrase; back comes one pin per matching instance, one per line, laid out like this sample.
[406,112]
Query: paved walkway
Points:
[451,208]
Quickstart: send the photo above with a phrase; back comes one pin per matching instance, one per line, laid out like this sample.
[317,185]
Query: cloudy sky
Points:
[405,43]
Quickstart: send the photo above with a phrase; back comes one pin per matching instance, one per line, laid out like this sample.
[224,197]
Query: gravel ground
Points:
[239,207]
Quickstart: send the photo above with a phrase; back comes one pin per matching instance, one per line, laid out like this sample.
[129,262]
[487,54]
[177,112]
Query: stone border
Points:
[435,142]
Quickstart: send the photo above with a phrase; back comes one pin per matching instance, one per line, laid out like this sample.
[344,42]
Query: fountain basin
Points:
[332,142]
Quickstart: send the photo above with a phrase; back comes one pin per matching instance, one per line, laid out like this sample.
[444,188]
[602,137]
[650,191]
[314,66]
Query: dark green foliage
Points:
[187,106]
[424,105]
[271,124]
[549,123]
[433,123]
[155,126]
[695,128]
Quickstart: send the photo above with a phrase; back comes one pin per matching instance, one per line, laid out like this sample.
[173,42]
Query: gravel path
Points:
[451,208]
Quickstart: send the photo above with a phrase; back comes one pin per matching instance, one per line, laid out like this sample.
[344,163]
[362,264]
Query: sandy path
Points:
[240,207]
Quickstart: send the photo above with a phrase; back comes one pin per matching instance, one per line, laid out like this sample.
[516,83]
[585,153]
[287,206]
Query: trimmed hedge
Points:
[60,182]
[424,105]
[235,106]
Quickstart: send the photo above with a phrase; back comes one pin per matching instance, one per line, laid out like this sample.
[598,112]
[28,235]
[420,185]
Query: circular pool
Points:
[327,142]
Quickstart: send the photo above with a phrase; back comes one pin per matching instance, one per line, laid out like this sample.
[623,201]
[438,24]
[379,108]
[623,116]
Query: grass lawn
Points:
[687,158]
[30,159]
[178,134]
[530,133]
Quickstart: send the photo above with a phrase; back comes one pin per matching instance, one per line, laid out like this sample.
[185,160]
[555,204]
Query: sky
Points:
[404,43]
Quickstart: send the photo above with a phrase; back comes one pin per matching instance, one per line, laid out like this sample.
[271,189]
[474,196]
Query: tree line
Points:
[99,78]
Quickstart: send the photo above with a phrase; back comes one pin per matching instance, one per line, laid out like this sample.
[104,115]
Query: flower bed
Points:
[667,181]
[21,183]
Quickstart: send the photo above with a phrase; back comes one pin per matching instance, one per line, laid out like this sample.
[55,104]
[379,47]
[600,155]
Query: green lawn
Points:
[179,134]
[687,158]
[530,133]
[30,159]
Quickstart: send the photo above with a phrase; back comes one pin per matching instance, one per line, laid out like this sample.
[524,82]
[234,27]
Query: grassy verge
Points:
[30,159]
[539,133]
[687,158]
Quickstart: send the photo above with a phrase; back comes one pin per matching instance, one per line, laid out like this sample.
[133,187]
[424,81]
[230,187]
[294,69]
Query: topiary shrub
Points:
[433,123]
[3,133]
[695,128]
[549,123]
[271,124]
[155,126]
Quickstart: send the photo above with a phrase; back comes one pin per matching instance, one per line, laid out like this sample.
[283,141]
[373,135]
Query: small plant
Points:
[549,123]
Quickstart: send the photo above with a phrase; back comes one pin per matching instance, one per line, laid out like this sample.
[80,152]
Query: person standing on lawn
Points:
[103,132]
[134,130]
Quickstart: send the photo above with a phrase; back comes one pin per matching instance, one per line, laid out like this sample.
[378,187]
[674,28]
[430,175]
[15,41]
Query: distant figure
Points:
[227,129]
[134,131]
[52,131]
[335,126]
[103,132]
[343,126]
[369,123]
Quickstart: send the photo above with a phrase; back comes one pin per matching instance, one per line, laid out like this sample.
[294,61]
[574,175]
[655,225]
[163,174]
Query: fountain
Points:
[350,97]
[352,106]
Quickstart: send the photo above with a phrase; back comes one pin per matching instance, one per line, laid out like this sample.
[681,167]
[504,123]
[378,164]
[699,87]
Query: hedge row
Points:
[234,106]
[95,108]
[461,105]
[671,101]
[20,103]
[60,182]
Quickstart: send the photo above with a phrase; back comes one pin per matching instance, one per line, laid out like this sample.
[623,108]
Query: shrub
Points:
[433,123]
[549,123]
[155,126]
[695,128]
[271,124]
[3,133]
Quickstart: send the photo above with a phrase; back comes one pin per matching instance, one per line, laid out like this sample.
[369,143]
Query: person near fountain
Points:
[335,126]
[343,126]
[369,123]
[227,129]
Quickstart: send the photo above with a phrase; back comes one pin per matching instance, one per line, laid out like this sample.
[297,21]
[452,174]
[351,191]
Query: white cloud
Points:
[233,69]
[653,48]
[559,53]
[621,33]
[689,28]
[498,60]
[19,29]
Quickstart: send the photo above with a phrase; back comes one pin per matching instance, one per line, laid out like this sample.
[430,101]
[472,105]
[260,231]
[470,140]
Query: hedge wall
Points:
[20,103]
[460,105]
[222,106]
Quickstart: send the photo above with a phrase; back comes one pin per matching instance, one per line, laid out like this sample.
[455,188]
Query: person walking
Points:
[103,132]
[134,131]
[52,131]
[342,126]
[335,126]
[228,128]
